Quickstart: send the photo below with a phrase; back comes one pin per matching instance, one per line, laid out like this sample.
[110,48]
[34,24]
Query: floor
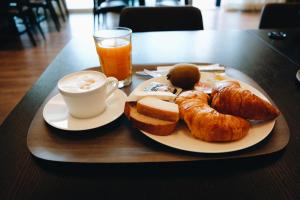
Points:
[21,64]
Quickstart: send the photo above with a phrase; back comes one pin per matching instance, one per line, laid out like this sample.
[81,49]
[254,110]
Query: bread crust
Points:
[147,123]
[157,113]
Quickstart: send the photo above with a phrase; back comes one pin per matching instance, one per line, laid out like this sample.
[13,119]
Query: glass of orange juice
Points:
[114,50]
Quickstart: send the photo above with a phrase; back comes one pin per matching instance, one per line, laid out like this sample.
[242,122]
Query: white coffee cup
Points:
[85,92]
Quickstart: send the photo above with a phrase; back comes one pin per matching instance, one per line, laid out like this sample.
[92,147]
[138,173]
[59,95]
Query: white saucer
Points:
[56,113]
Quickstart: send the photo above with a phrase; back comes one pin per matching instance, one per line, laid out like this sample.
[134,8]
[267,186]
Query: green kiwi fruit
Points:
[184,76]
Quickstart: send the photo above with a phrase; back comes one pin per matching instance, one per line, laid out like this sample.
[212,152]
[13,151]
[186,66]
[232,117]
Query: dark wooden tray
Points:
[118,142]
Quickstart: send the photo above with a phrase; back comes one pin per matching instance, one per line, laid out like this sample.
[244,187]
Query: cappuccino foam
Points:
[81,82]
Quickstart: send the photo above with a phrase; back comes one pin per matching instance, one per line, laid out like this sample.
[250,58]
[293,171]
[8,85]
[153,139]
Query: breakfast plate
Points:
[56,113]
[183,140]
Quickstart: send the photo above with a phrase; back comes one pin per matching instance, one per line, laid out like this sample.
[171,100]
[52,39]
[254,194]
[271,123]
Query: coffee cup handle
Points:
[111,85]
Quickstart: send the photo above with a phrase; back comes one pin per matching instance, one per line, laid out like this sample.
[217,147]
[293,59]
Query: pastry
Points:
[207,124]
[229,98]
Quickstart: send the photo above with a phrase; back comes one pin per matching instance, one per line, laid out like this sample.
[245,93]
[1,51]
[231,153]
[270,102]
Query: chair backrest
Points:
[283,15]
[143,19]
[97,3]
[103,6]
[7,5]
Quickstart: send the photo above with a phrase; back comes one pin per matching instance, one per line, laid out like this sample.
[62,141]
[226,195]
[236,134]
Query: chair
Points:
[58,3]
[285,15]
[143,19]
[47,5]
[105,6]
[63,2]
[168,2]
[9,9]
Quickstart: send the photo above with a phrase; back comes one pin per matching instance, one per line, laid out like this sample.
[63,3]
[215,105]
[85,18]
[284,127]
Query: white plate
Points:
[183,140]
[56,113]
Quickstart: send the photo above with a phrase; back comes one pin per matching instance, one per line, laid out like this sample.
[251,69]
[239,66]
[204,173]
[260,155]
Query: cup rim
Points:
[83,92]
[112,29]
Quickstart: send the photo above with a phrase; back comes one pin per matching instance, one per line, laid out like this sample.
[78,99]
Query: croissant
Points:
[206,123]
[228,97]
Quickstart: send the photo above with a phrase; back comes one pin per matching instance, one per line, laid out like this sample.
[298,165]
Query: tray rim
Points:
[198,157]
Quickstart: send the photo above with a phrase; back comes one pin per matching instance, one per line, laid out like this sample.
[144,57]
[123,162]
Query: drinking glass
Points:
[114,50]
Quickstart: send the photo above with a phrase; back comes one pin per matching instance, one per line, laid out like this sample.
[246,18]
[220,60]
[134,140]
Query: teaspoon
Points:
[298,75]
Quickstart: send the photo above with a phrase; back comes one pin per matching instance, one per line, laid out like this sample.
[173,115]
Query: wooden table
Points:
[288,47]
[275,176]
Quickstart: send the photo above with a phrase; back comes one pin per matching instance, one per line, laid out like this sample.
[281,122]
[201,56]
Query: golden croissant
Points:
[228,97]
[206,123]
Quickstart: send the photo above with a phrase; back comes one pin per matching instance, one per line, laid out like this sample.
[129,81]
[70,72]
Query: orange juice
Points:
[115,57]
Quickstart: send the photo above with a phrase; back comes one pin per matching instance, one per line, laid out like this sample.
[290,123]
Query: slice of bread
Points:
[146,123]
[159,109]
